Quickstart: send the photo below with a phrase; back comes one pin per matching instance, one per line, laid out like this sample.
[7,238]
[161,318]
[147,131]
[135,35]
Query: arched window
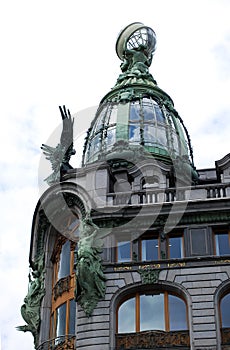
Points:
[152,311]
[225,318]
[150,317]
[63,309]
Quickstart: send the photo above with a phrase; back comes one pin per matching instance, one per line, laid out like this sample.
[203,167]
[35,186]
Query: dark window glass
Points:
[72,316]
[222,244]
[64,263]
[177,313]
[61,320]
[126,317]
[123,251]
[225,311]
[149,249]
[175,246]
[152,312]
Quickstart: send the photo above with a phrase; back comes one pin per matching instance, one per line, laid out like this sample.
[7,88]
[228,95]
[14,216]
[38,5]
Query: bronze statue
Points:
[90,279]
[30,310]
[60,155]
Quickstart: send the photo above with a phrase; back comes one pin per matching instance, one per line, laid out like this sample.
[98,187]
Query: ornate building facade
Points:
[132,250]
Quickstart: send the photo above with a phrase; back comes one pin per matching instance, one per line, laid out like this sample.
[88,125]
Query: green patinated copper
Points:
[30,310]
[149,275]
[135,83]
[90,279]
[60,155]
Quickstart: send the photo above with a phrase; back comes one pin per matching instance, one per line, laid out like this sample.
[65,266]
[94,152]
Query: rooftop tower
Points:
[131,251]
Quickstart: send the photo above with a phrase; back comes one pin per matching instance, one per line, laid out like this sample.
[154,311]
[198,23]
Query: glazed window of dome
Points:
[134,122]
[103,133]
[110,137]
[147,124]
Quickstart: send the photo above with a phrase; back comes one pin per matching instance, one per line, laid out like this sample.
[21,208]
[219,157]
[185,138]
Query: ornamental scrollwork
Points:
[149,275]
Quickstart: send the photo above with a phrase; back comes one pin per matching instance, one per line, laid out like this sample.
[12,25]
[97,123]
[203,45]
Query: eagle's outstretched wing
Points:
[67,129]
[60,155]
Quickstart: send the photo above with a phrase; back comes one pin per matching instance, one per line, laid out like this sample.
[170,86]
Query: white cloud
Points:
[55,53]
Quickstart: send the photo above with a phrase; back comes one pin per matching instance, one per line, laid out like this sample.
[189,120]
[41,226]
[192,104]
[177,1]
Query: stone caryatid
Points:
[90,279]
[30,310]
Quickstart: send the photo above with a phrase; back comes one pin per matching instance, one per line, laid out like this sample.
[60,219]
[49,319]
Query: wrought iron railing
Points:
[162,195]
[153,340]
[225,338]
[64,342]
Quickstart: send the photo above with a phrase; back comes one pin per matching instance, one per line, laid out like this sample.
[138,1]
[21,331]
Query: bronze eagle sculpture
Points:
[60,155]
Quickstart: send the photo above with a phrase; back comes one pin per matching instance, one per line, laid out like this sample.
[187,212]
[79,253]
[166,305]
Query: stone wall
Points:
[201,287]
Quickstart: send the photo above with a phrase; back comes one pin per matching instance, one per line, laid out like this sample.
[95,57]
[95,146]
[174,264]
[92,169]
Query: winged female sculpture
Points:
[60,155]
[90,279]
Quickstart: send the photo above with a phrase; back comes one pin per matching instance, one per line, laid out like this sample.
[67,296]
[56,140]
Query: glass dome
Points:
[136,112]
[142,122]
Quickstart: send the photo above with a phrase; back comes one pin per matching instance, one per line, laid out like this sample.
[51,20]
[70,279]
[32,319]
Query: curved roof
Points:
[136,110]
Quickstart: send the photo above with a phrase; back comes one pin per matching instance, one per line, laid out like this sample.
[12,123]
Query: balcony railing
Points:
[153,340]
[225,338]
[162,195]
[65,342]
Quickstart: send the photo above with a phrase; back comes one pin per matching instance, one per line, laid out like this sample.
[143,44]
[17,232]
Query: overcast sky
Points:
[63,52]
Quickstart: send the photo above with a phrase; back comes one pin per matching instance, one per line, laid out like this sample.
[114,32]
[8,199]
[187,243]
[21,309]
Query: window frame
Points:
[137,309]
[227,292]
[217,232]
[175,235]
[146,238]
[67,295]
[116,251]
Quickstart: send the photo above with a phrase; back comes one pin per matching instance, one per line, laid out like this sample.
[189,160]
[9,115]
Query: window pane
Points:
[72,316]
[161,136]
[175,247]
[113,115]
[134,133]
[149,249]
[152,312]
[148,112]
[61,320]
[225,313]
[126,317]
[110,137]
[149,133]
[159,114]
[64,264]
[123,251]
[177,313]
[222,244]
[134,111]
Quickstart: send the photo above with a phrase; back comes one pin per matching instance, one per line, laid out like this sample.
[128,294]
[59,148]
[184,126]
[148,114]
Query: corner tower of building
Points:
[136,112]
[131,251]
